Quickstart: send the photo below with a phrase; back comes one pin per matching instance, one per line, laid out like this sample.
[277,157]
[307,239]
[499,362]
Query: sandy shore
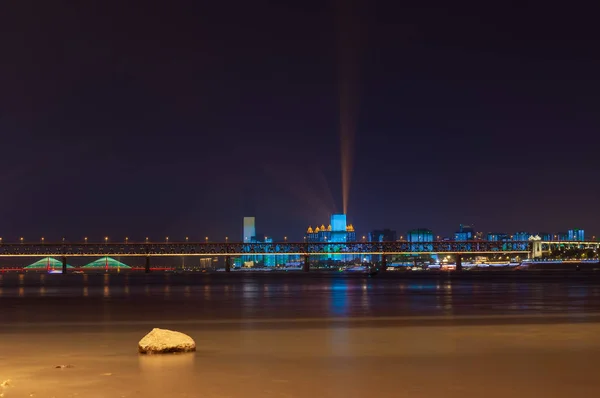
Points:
[549,360]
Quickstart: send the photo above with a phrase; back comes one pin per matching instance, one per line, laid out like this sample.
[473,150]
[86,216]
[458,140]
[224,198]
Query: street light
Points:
[226,239]
[42,239]
[206,239]
[167,239]
[85,239]
[187,239]
[285,238]
[106,239]
[21,239]
[126,239]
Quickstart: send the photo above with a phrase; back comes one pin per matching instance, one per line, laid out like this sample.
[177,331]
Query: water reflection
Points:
[165,373]
[338,302]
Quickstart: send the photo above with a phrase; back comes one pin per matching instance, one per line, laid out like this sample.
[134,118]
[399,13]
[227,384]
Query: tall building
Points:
[576,234]
[338,231]
[465,232]
[249,232]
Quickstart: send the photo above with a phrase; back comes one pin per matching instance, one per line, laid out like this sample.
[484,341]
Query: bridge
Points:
[534,248]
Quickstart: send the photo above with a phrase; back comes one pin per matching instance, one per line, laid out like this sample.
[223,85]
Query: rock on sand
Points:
[161,341]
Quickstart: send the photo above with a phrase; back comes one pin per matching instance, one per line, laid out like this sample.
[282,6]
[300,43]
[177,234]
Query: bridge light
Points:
[167,239]
[106,239]
[85,239]
[146,239]
[206,239]
[226,239]
[42,239]
[127,239]
[21,239]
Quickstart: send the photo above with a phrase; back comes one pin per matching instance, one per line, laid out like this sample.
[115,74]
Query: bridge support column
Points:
[147,268]
[536,249]
[306,266]
[64,265]
[227,264]
[383,266]
[459,262]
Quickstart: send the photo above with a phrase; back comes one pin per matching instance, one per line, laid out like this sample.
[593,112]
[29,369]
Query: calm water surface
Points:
[302,335]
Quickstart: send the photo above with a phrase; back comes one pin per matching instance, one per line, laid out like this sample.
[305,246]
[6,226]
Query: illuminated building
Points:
[419,235]
[576,235]
[521,236]
[251,236]
[497,237]
[338,231]
[465,232]
[249,231]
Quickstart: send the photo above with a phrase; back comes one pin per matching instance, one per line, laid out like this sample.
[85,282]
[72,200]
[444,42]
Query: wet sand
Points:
[314,337]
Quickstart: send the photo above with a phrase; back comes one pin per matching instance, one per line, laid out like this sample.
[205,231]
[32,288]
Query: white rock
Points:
[160,341]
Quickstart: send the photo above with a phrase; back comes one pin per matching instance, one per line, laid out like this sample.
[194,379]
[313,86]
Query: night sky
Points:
[145,119]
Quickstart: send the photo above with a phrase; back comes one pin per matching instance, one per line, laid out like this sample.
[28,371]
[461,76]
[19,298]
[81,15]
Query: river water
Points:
[296,335]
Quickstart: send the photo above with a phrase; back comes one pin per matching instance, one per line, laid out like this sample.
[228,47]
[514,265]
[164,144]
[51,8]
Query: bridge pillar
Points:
[147,268]
[227,264]
[458,262]
[536,249]
[306,266]
[383,266]
[64,264]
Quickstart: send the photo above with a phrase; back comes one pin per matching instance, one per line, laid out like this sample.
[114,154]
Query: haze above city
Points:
[180,119]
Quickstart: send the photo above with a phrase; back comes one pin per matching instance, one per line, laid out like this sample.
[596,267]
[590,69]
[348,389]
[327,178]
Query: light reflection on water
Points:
[209,297]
